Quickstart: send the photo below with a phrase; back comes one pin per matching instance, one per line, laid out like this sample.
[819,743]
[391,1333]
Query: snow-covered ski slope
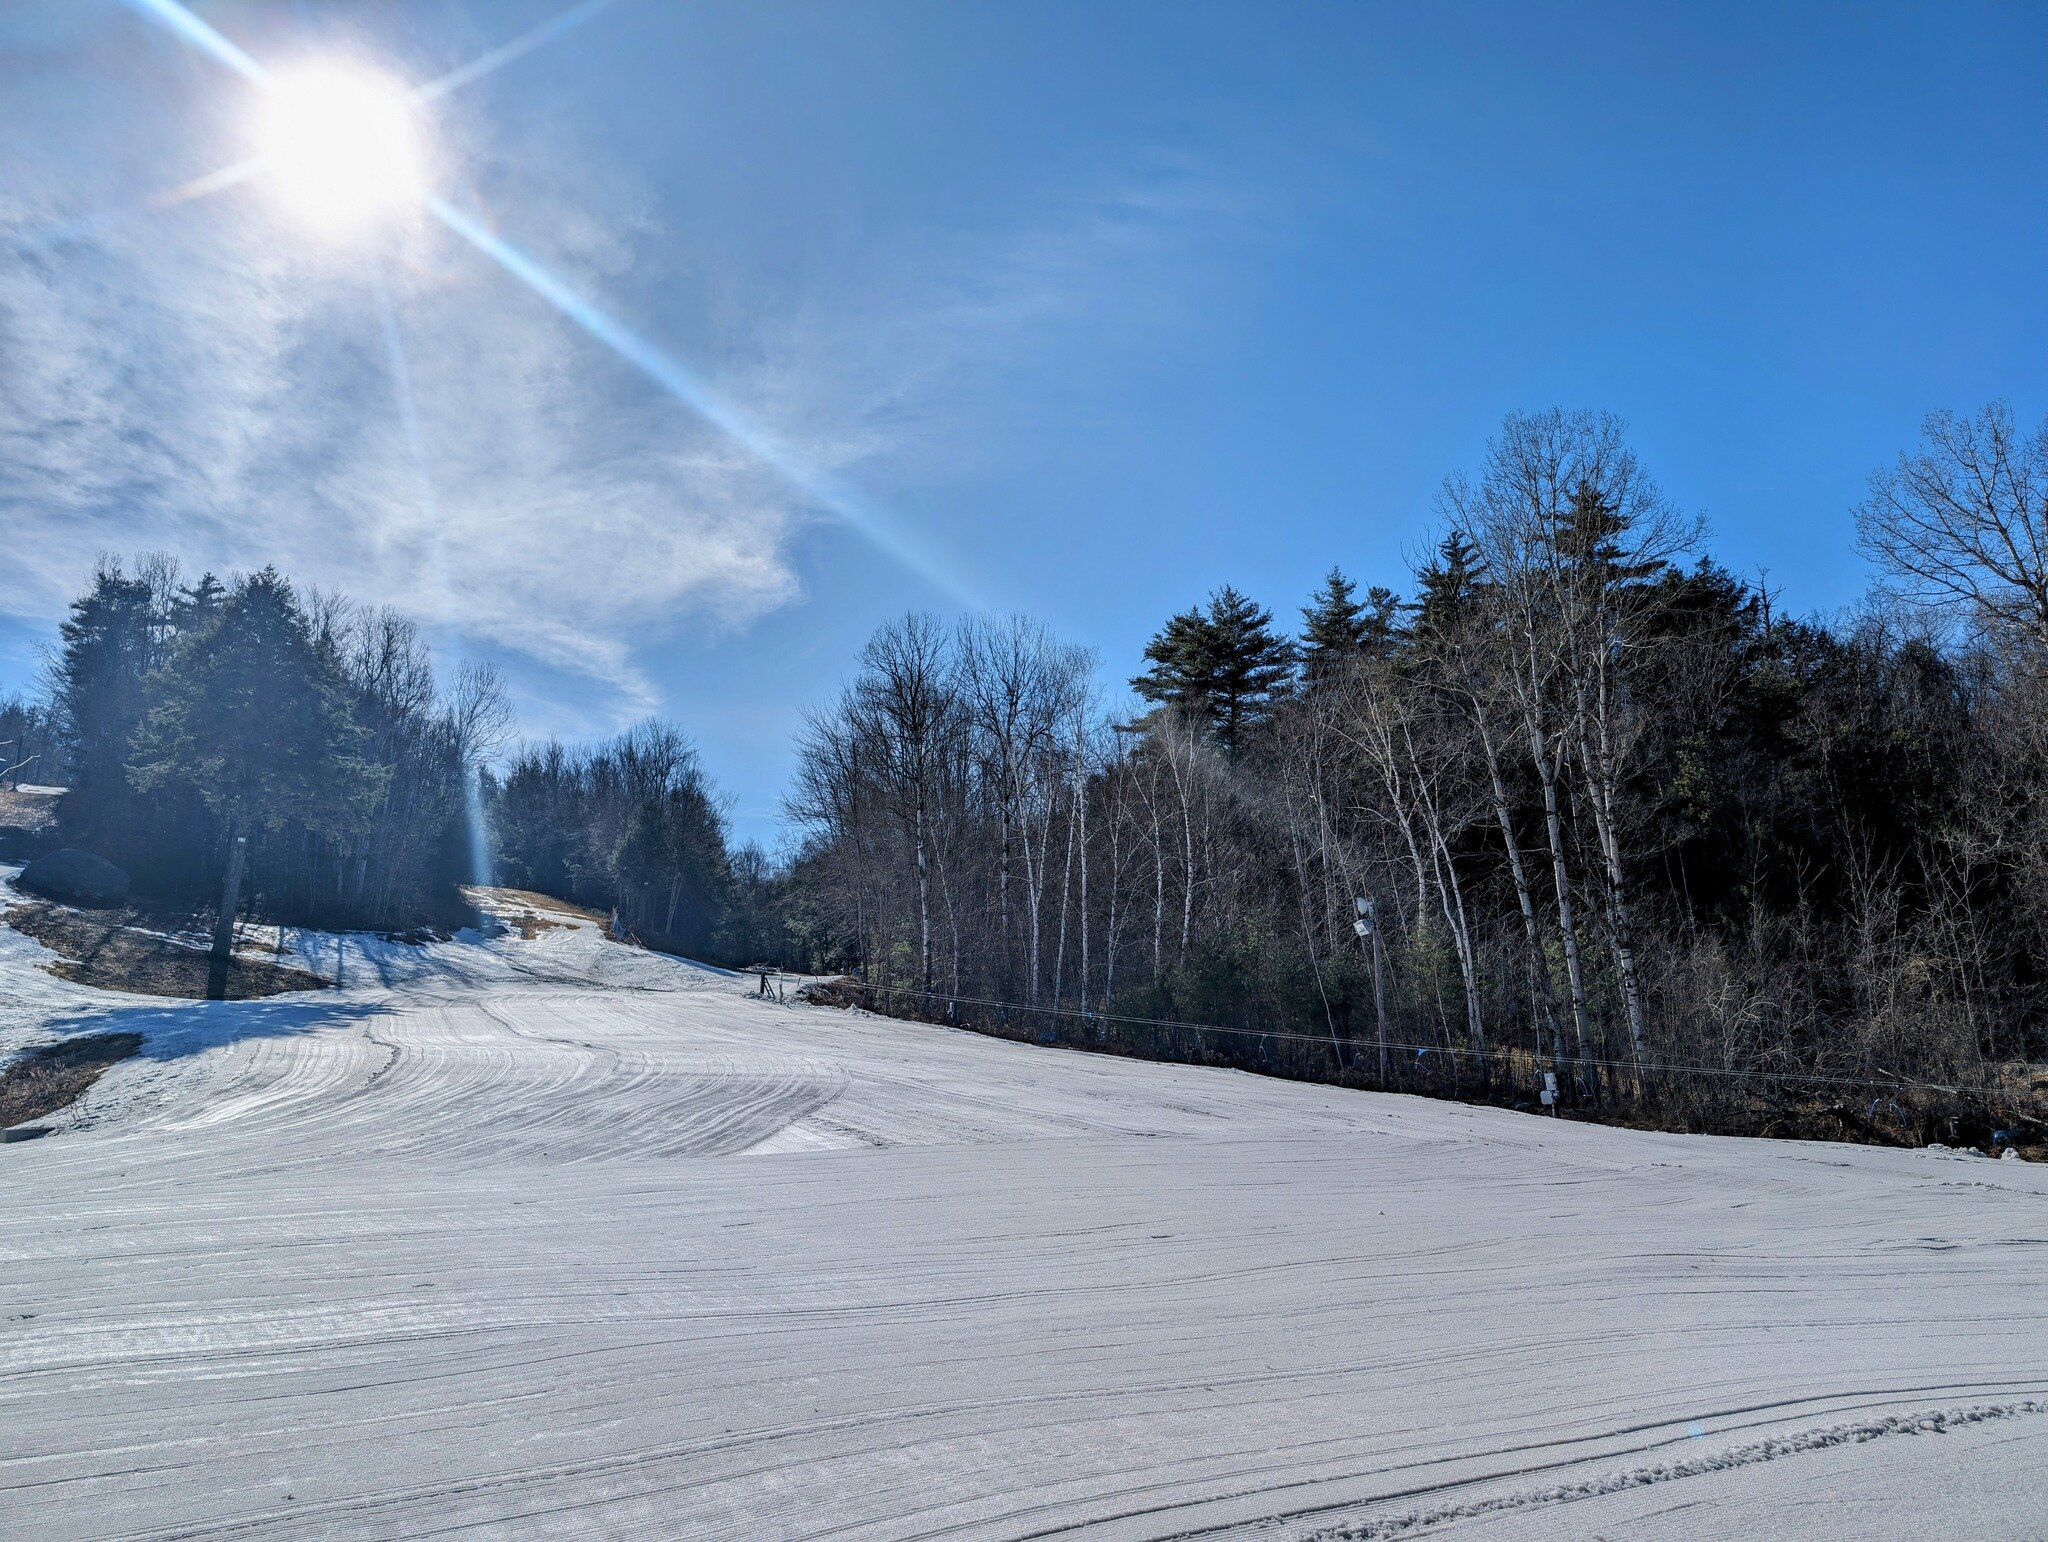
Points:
[553,1237]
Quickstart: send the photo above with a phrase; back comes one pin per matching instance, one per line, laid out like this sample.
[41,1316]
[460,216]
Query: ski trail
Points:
[554,1236]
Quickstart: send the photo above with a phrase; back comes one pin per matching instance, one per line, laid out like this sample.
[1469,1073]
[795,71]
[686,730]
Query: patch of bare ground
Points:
[32,810]
[54,1076]
[107,950]
[530,925]
[539,911]
[845,991]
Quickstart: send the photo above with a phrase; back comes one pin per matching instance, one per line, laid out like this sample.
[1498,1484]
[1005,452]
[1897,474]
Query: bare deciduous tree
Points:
[1965,519]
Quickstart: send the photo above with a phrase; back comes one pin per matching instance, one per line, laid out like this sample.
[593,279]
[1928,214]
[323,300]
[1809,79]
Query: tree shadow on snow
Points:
[175,1029]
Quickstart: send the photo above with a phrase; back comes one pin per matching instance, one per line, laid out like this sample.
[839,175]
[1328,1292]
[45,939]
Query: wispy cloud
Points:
[945,351]
[195,380]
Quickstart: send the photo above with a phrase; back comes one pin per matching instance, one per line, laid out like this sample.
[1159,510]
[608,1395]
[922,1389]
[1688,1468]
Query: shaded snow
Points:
[559,1237]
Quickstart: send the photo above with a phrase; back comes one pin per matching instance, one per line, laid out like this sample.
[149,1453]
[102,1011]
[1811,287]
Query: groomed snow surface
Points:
[557,1237]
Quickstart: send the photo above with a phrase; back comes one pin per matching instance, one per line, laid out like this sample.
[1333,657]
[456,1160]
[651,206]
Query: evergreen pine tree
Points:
[102,685]
[1382,622]
[1447,586]
[1250,665]
[1588,536]
[109,647]
[1334,626]
[252,715]
[197,604]
[1222,665]
[1337,626]
[1180,654]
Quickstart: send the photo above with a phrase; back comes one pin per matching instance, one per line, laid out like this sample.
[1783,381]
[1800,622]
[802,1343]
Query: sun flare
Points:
[340,146]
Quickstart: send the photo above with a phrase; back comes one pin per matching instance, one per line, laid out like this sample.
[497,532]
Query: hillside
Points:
[538,1233]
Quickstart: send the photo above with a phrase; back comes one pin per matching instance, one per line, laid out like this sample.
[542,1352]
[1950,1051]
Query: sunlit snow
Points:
[555,1236]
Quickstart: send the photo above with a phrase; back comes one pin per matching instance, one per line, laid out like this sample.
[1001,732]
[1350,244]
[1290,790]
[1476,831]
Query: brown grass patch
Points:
[54,1076]
[845,991]
[535,906]
[30,810]
[530,926]
[103,949]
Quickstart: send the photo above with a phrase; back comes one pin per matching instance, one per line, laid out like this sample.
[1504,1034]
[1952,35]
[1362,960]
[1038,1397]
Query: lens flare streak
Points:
[683,383]
[517,48]
[185,192]
[201,36]
[672,376]
[431,524]
[206,186]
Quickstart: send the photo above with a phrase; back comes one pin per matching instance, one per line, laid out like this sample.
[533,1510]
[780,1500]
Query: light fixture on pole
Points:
[1367,927]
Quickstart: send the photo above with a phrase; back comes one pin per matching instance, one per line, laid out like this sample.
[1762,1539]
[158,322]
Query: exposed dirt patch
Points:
[845,991]
[530,926]
[54,1076]
[103,948]
[534,901]
[30,810]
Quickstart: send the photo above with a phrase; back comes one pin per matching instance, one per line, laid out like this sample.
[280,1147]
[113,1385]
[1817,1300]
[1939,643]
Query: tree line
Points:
[28,742]
[242,746]
[1582,802]
[1576,801]
[301,743]
[633,827]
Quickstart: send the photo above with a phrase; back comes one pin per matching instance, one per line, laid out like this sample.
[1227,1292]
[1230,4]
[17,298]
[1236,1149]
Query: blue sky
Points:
[1093,306]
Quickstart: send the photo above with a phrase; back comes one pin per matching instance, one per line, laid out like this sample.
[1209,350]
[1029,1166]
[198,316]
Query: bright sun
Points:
[340,146]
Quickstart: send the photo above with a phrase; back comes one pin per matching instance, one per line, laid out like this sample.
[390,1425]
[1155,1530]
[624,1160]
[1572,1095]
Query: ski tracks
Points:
[553,1237]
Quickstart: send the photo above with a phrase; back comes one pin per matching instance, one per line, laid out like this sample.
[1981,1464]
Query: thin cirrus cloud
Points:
[194,380]
[420,431]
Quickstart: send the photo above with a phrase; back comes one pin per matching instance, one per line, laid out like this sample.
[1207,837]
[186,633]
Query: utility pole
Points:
[223,951]
[1367,927]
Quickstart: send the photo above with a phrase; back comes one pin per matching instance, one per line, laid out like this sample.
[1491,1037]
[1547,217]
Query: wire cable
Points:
[1658,1067]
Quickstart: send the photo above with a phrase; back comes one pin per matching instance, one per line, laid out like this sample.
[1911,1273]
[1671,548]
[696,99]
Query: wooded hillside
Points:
[1577,800]
[1589,801]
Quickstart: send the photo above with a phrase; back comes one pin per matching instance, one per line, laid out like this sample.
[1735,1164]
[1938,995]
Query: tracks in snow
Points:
[563,1238]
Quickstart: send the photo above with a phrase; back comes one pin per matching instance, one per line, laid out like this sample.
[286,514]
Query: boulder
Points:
[18,843]
[77,878]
